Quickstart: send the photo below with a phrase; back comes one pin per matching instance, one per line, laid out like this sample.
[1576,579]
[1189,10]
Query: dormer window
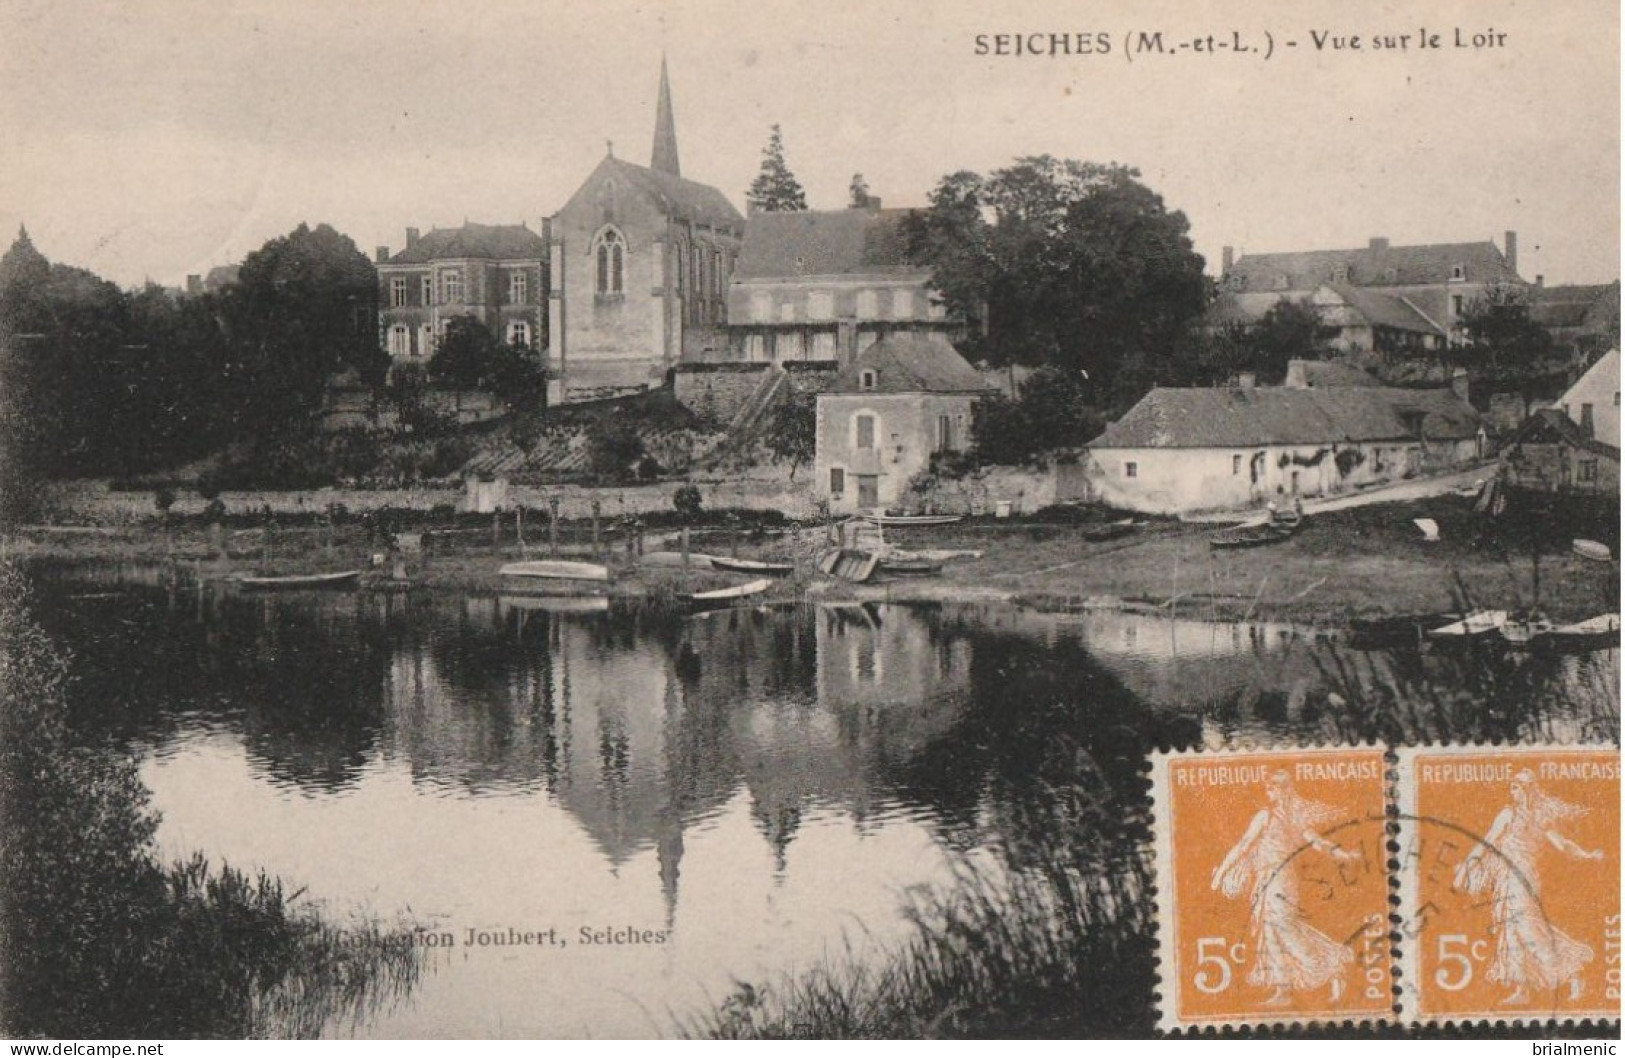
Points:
[1458,273]
[1340,274]
[866,380]
[1280,282]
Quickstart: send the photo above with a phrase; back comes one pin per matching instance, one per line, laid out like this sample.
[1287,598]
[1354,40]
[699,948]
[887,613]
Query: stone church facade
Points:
[640,262]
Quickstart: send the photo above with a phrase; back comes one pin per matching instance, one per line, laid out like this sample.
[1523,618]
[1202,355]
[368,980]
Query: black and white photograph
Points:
[524,519]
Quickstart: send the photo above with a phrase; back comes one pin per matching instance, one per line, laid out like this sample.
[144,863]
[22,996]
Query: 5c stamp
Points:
[1509,883]
[1272,887]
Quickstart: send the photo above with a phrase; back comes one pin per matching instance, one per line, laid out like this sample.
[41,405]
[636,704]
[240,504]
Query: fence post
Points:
[595,512]
[685,550]
[553,526]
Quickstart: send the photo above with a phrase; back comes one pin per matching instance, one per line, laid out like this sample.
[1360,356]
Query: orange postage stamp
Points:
[1272,887]
[1509,883]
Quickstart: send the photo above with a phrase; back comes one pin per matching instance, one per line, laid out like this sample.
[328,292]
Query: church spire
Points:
[664,157]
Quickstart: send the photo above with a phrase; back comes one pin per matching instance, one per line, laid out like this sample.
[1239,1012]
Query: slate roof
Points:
[1260,416]
[1551,426]
[911,362]
[1386,310]
[1573,306]
[1386,266]
[496,242]
[826,243]
[681,198]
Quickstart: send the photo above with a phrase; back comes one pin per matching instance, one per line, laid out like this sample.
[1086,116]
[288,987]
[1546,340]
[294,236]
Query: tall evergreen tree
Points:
[775,189]
[859,192]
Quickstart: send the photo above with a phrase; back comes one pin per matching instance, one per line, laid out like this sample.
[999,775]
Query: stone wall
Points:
[716,392]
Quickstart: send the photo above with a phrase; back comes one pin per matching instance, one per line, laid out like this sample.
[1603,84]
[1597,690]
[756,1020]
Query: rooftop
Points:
[1262,416]
[1376,265]
[910,362]
[826,243]
[497,242]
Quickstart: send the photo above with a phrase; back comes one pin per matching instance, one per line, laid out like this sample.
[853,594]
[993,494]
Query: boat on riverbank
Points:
[914,519]
[1476,625]
[343,579]
[1522,630]
[849,564]
[749,565]
[1596,633]
[556,569]
[1397,630]
[1108,531]
[718,598]
[1595,551]
[1256,535]
[909,566]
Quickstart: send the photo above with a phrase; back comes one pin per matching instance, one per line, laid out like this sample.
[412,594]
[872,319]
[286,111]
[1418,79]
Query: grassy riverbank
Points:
[1343,564]
[100,939]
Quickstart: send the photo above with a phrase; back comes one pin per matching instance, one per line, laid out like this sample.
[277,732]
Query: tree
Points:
[470,357]
[859,192]
[791,432]
[1052,411]
[304,307]
[1505,346]
[1080,267]
[1289,331]
[775,189]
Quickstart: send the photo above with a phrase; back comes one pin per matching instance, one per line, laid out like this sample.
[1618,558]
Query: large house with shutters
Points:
[1377,298]
[891,408]
[826,284]
[640,263]
[496,273]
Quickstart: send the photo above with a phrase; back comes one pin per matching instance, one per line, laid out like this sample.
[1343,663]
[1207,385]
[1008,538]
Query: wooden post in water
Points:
[496,530]
[595,512]
[553,526]
[685,550]
[519,527]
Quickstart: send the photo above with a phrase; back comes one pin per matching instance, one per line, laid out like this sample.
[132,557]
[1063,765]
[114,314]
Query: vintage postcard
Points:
[528,519]
[1509,875]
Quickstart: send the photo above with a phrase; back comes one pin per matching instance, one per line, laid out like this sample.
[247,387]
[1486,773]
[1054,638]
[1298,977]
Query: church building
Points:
[640,265]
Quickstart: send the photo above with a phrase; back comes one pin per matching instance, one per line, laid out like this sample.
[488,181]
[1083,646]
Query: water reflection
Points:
[757,783]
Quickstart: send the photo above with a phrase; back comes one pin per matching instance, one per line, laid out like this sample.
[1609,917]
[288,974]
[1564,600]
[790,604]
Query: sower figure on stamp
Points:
[1529,949]
[1290,954]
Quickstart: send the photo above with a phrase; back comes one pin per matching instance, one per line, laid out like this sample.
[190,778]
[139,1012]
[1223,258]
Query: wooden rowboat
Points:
[556,569]
[909,566]
[1108,531]
[1397,630]
[747,565]
[1522,630]
[914,519]
[1474,626]
[719,597]
[1248,536]
[1597,633]
[1593,550]
[849,564]
[345,579]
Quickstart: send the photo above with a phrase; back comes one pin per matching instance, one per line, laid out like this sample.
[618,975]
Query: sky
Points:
[158,139]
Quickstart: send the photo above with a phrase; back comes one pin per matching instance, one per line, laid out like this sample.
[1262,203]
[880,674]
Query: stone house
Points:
[496,273]
[1551,454]
[826,284]
[890,409]
[640,264]
[1387,292]
[1184,450]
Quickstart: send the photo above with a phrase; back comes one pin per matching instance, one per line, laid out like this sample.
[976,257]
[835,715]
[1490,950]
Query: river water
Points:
[601,819]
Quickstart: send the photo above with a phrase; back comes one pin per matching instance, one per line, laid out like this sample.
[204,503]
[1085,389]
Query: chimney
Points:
[1540,280]
[382,256]
[1379,242]
[1512,252]
[1246,380]
[1460,385]
[1229,261]
[194,285]
[411,237]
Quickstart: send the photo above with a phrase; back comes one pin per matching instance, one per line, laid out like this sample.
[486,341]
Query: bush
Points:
[686,502]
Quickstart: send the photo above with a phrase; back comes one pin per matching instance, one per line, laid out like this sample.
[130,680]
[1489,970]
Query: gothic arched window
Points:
[611,256]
